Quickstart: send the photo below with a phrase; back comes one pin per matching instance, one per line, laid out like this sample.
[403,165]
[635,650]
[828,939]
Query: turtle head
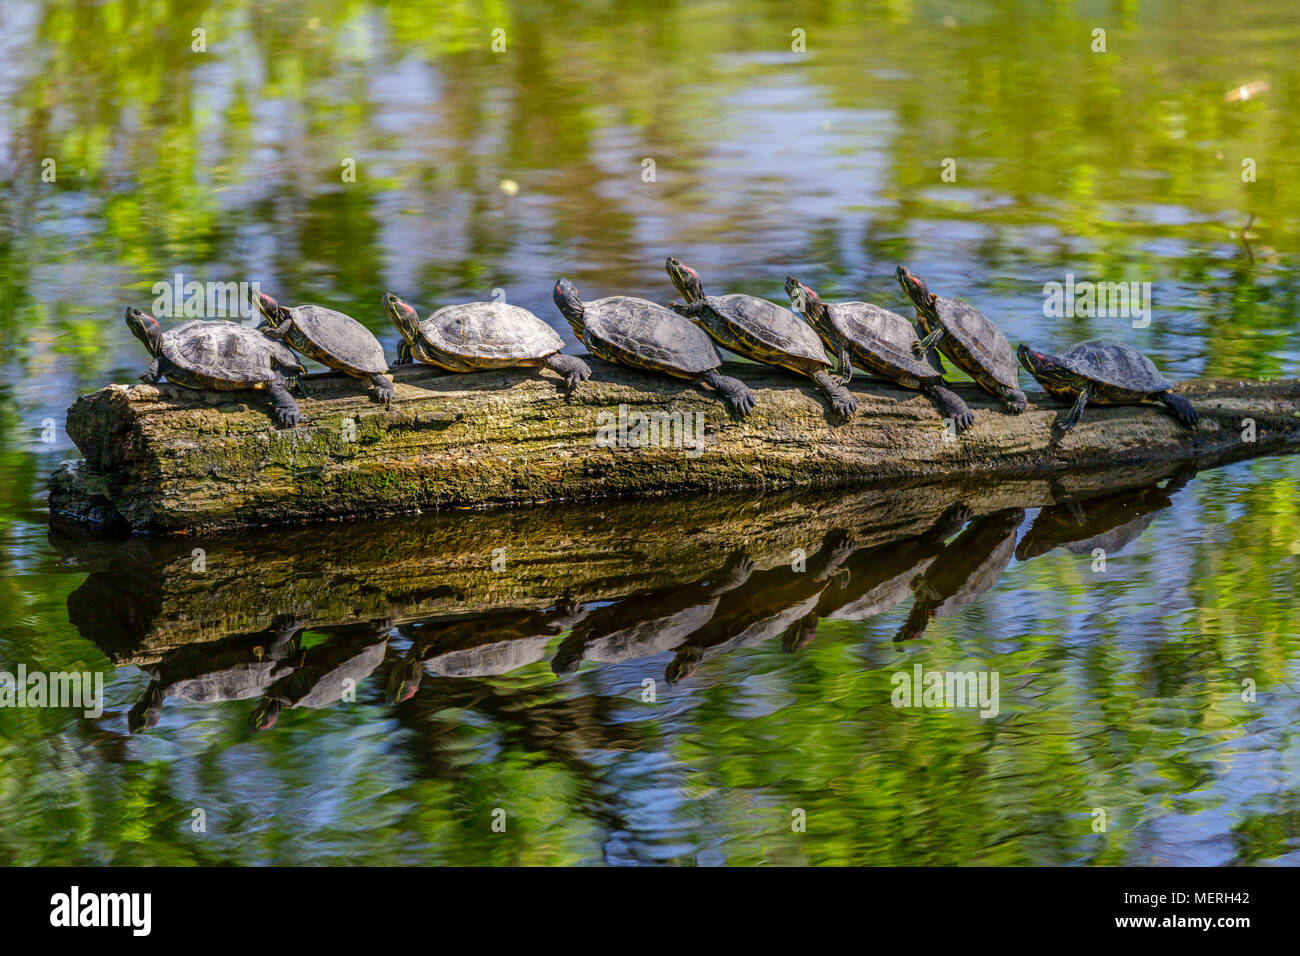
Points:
[145,328]
[1049,370]
[810,305]
[570,306]
[916,290]
[404,679]
[404,318]
[266,307]
[265,714]
[686,279]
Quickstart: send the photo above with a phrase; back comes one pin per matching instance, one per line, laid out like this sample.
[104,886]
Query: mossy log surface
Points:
[166,459]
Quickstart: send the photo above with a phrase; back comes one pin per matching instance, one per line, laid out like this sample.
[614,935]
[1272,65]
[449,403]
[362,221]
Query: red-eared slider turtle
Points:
[759,330]
[641,334]
[481,335]
[221,356]
[335,340]
[971,340]
[878,341]
[1104,372]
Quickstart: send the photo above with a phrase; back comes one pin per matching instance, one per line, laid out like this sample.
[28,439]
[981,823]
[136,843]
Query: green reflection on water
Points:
[1123,693]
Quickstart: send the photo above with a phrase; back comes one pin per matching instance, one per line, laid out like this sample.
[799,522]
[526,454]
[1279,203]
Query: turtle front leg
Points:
[841,401]
[574,370]
[843,364]
[1015,400]
[951,406]
[384,389]
[404,356]
[734,392]
[1072,417]
[277,332]
[287,413]
[921,346]
[1182,408]
[155,373]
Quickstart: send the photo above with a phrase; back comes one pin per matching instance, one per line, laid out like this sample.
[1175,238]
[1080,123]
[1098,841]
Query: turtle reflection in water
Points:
[650,622]
[478,644]
[213,673]
[327,673]
[771,603]
[1108,522]
[966,570]
[879,578]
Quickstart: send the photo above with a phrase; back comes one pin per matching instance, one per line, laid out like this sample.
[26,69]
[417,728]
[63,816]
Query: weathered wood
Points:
[167,459]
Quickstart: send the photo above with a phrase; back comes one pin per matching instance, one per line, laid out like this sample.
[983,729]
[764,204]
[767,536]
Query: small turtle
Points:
[481,335]
[1104,372]
[878,341]
[971,340]
[221,356]
[641,334]
[335,340]
[759,330]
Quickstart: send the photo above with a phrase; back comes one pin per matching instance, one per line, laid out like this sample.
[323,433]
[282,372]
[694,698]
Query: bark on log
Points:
[166,459]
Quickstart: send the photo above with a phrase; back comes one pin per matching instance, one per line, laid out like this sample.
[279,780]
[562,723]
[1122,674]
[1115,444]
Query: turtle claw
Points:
[288,417]
[918,347]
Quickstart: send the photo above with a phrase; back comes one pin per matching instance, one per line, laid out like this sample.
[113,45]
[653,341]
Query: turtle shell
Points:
[1114,364]
[492,332]
[977,345]
[769,333]
[338,340]
[217,351]
[640,333]
[881,341]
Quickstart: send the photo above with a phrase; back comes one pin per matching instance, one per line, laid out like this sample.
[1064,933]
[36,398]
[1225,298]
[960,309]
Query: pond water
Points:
[685,682]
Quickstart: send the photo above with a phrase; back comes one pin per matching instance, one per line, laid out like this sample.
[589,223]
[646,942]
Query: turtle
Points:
[481,335]
[970,340]
[640,334]
[964,571]
[759,330]
[326,672]
[1110,521]
[335,340]
[649,622]
[1104,372]
[220,356]
[878,341]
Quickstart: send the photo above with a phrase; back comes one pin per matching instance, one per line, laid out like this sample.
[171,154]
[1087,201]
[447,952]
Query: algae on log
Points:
[164,458]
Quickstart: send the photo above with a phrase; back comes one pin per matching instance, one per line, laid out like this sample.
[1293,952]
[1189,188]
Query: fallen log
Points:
[166,459]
